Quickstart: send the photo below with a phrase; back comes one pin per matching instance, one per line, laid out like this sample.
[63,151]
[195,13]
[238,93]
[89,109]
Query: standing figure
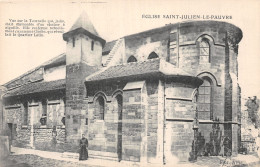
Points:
[83,152]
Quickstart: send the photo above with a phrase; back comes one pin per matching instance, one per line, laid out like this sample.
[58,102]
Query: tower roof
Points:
[83,25]
[84,22]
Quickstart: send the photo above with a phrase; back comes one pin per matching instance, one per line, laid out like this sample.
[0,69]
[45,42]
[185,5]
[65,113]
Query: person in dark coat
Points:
[83,152]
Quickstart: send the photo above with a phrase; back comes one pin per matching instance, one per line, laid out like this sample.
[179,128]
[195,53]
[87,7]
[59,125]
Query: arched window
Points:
[153,55]
[131,59]
[204,51]
[119,100]
[205,100]
[100,106]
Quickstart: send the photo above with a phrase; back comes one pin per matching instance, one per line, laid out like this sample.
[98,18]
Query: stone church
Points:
[156,96]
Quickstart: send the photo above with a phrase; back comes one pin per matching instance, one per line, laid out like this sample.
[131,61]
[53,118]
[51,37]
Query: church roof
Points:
[149,68]
[59,60]
[37,87]
[108,47]
[56,61]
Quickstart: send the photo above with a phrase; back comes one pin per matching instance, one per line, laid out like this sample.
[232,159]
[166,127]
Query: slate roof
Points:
[60,60]
[149,67]
[37,87]
[83,25]
[108,47]
[84,22]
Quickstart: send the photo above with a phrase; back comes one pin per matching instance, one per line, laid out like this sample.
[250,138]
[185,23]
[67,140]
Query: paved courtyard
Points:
[35,158]
[29,160]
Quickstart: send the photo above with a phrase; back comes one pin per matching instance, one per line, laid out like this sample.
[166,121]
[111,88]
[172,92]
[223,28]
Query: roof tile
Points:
[37,87]
[137,68]
[109,46]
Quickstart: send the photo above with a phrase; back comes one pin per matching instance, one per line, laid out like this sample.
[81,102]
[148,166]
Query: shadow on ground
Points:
[7,162]
[29,160]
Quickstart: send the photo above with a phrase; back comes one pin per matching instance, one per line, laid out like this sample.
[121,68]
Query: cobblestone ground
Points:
[29,160]
[223,162]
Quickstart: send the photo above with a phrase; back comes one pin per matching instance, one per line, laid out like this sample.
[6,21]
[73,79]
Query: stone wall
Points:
[2,92]
[13,114]
[23,137]
[49,139]
[139,121]
[55,73]
[189,59]
[27,130]
[179,115]
[152,119]
[81,51]
[102,134]
[178,133]
[76,105]
[223,39]
[33,76]
[4,147]
[142,45]
[132,125]
[55,112]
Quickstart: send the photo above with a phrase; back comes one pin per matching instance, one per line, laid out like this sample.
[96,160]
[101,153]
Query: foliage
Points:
[213,147]
[215,138]
[193,156]
[252,105]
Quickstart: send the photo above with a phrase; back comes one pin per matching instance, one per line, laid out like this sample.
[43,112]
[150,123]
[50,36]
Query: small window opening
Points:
[44,112]
[131,59]
[101,107]
[25,120]
[153,55]
[73,41]
[92,45]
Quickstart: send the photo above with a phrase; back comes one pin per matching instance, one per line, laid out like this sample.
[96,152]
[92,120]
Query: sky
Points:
[114,19]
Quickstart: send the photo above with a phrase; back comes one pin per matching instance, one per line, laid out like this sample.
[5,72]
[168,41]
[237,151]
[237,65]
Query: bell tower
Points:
[83,58]
[83,43]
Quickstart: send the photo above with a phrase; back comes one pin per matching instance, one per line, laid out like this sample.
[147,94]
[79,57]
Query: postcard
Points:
[129,83]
